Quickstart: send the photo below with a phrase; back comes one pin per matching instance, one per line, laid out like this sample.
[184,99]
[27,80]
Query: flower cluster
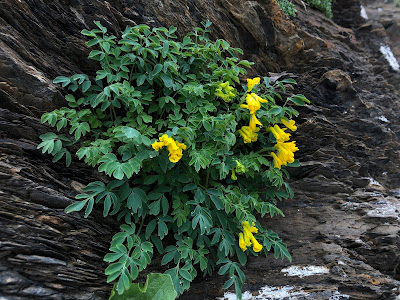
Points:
[249,133]
[252,82]
[225,92]
[240,169]
[285,149]
[174,147]
[246,239]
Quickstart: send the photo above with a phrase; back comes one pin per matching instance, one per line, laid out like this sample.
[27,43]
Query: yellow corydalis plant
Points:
[174,147]
[249,133]
[246,239]
[285,150]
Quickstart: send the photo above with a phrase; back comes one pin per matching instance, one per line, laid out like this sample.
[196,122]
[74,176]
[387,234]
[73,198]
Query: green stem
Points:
[140,226]
[208,177]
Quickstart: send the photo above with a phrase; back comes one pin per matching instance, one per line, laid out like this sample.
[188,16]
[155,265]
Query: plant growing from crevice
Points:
[324,6]
[195,159]
[287,7]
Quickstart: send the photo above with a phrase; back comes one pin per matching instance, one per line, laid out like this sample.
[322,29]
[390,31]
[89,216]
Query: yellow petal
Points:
[252,82]
[289,124]
[277,162]
[253,122]
[242,244]
[157,145]
[256,245]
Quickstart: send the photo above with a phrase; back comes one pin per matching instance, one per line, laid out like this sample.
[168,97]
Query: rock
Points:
[337,80]
[344,216]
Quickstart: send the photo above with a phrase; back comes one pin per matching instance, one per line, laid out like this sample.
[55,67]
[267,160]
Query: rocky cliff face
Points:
[342,226]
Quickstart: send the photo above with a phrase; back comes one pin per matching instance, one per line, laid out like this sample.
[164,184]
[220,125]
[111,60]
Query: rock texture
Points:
[345,216]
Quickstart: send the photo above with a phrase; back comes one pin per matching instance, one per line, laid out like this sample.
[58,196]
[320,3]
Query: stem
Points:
[115,114]
[140,227]
[208,177]
[111,115]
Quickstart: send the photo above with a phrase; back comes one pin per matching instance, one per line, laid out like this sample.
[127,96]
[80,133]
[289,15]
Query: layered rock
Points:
[344,217]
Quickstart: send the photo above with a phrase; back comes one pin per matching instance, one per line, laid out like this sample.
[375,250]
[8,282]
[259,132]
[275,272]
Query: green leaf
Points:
[189,187]
[150,228]
[185,274]
[86,85]
[115,267]
[110,257]
[275,110]
[217,202]
[140,80]
[294,164]
[157,287]
[89,207]
[167,80]
[77,206]
[61,79]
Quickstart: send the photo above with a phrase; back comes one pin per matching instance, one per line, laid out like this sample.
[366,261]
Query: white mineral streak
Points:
[305,271]
[385,50]
[339,296]
[279,293]
[386,209]
[383,119]
[363,13]
[373,181]
[269,293]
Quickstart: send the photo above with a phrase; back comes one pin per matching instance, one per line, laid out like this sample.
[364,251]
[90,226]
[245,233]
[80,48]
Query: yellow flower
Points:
[253,122]
[242,243]
[280,134]
[256,245]
[253,103]
[285,153]
[252,82]
[277,162]
[246,239]
[289,124]
[174,147]
[249,135]
[157,145]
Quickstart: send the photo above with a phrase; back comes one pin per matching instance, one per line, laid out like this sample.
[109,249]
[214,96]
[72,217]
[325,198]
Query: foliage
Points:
[157,286]
[287,7]
[166,121]
[325,6]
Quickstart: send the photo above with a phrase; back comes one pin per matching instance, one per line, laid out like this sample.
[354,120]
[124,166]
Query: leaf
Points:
[140,80]
[217,202]
[168,257]
[110,257]
[77,206]
[89,207]
[60,79]
[115,267]
[275,110]
[107,206]
[167,80]
[185,274]
[157,287]
[189,187]
[150,228]
[86,85]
